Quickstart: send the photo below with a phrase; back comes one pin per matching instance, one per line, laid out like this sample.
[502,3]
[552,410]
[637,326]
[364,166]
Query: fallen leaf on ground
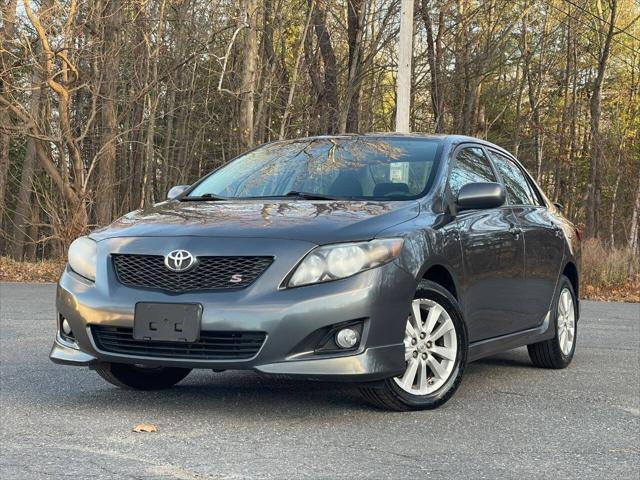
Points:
[145,427]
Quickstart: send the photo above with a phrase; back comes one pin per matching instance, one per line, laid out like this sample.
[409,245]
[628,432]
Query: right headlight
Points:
[332,262]
[82,257]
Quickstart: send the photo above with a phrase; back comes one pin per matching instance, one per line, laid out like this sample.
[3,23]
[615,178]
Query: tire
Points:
[555,353]
[140,378]
[389,394]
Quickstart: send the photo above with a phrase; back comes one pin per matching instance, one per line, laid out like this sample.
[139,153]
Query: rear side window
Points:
[471,166]
[518,189]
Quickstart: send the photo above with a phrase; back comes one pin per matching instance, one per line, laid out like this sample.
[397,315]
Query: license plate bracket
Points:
[167,322]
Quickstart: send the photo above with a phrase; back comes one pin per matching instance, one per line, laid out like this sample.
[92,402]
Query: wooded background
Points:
[105,104]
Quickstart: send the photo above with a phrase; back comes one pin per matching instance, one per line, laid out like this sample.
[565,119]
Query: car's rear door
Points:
[543,239]
[493,254]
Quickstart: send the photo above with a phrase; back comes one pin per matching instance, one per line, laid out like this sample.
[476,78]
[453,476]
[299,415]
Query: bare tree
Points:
[106,103]
[597,148]
[250,62]
[8,12]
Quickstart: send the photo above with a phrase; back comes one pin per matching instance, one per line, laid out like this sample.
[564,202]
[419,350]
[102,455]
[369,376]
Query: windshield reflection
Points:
[357,167]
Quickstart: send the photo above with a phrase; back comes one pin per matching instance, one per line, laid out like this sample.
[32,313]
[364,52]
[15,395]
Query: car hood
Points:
[318,222]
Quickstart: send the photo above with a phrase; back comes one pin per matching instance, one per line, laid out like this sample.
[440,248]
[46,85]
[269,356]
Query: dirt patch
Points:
[627,292]
[36,272]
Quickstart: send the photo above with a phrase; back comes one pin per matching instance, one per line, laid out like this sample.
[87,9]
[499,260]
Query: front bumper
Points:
[380,298]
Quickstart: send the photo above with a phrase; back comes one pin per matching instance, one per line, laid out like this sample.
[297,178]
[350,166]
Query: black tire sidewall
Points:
[435,292]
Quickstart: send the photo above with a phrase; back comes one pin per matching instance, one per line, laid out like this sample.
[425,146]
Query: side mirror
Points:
[478,196]
[176,191]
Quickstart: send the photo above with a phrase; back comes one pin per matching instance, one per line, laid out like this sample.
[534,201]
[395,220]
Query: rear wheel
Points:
[140,377]
[435,354]
[558,352]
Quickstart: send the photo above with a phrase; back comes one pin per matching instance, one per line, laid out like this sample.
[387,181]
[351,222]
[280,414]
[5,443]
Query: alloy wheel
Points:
[566,323]
[431,347]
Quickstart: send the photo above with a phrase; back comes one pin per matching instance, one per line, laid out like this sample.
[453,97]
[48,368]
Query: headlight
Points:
[82,257]
[332,262]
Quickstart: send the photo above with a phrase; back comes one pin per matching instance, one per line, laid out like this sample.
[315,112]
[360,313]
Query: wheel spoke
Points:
[444,352]
[446,326]
[563,341]
[434,314]
[410,331]
[410,374]
[422,376]
[571,333]
[565,301]
[437,369]
[416,316]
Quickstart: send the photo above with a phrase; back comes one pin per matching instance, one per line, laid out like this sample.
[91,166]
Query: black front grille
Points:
[210,273]
[211,346]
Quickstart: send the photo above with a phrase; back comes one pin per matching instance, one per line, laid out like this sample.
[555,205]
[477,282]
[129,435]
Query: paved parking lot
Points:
[508,420]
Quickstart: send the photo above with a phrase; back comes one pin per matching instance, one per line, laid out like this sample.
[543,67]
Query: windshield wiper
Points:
[309,196]
[204,197]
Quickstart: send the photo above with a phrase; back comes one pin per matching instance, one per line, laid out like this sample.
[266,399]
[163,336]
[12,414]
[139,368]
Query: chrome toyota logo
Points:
[179,260]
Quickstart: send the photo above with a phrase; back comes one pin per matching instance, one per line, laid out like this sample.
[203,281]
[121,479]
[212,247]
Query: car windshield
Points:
[326,167]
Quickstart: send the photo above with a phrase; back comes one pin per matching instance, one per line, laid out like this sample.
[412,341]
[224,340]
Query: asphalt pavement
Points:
[507,420]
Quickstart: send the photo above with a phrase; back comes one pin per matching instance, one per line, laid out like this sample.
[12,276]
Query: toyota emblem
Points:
[179,260]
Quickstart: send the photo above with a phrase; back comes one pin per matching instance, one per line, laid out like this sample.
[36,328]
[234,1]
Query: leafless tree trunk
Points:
[614,200]
[8,12]
[597,152]
[433,54]
[22,214]
[634,232]
[348,117]
[294,77]
[71,183]
[105,193]
[328,101]
[250,62]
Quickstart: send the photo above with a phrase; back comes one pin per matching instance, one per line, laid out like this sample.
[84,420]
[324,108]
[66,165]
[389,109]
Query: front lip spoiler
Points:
[371,365]
[64,355]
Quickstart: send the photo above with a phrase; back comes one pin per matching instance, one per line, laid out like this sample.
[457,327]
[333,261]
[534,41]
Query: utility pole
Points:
[403,81]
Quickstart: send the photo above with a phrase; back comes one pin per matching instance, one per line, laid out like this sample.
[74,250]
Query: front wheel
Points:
[140,377]
[435,354]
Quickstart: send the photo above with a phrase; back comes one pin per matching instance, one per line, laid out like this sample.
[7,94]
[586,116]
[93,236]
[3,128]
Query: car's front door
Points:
[543,239]
[493,254]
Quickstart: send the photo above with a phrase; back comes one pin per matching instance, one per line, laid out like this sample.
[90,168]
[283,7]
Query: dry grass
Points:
[607,274]
[610,273]
[605,267]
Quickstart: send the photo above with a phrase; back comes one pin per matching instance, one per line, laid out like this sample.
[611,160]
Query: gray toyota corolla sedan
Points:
[387,260]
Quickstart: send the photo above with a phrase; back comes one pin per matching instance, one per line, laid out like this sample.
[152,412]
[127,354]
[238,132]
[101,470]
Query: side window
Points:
[518,189]
[471,166]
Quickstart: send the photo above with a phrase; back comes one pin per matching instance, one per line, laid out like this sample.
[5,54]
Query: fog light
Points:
[66,328]
[347,338]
